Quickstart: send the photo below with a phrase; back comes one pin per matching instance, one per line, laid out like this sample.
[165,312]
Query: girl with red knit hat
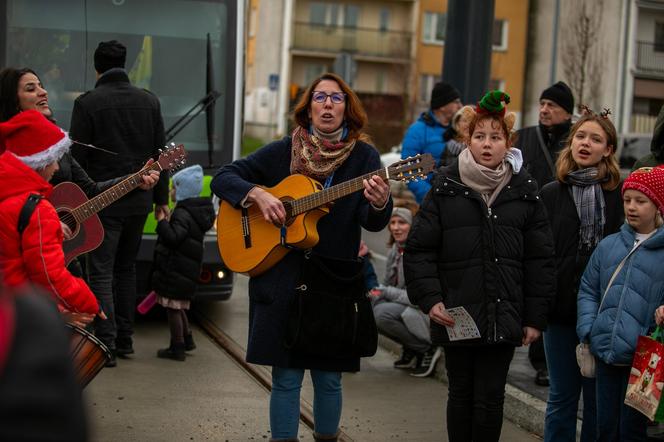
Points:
[32,147]
[620,292]
[481,244]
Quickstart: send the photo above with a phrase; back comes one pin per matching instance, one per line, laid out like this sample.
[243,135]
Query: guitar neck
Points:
[333,193]
[109,196]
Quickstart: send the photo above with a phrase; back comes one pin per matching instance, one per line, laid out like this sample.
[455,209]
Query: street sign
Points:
[273,82]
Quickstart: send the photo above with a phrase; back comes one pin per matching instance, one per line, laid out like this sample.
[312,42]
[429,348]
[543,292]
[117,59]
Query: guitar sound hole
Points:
[68,219]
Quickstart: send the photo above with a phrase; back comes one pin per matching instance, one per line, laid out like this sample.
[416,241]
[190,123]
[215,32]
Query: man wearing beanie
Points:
[426,134]
[127,120]
[540,146]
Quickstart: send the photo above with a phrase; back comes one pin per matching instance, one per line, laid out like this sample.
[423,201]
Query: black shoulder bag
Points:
[331,315]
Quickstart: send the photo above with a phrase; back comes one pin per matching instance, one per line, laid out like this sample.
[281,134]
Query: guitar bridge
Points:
[246,234]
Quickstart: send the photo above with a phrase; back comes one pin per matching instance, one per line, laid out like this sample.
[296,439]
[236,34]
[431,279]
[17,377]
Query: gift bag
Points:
[646,378]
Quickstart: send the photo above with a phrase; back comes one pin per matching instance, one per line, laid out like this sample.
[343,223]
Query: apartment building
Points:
[507,60]
[370,42]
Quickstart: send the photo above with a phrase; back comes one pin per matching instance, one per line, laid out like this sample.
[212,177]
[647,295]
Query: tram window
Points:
[166,51]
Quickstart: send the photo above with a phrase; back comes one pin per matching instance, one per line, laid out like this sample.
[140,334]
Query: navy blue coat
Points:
[270,293]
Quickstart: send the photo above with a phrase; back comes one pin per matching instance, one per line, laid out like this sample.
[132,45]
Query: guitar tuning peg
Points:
[171,144]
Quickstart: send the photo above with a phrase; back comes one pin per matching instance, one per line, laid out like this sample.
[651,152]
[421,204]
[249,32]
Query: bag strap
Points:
[615,273]
[27,210]
[658,334]
[545,150]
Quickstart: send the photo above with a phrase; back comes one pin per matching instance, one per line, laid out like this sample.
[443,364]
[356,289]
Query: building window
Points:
[434,27]
[499,40]
[384,19]
[659,36]
[426,85]
[351,15]
[380,82]
[312,71]
[333,14]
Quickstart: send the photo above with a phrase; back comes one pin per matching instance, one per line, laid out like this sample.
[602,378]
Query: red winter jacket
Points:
[36,255]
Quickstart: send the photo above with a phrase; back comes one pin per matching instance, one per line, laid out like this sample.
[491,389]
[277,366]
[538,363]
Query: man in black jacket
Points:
[540,146]
[127,120]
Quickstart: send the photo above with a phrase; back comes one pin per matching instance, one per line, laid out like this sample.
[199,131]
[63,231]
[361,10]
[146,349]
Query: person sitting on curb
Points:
[395,316]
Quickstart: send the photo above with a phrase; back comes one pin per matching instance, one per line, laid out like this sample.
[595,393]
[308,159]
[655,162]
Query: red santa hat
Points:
[33,139]
[649,181]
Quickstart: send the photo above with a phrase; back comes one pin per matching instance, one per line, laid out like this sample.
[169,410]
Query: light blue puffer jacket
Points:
[629,307]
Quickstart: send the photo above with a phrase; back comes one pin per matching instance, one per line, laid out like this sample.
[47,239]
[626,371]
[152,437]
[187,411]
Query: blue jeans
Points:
[566,384]
[615,420]
[285,401]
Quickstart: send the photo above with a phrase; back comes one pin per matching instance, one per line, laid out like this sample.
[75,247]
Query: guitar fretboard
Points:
[330,194]
[109,196]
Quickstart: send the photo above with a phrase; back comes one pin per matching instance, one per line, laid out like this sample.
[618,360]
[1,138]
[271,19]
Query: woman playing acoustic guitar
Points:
[21,90]
[328,145]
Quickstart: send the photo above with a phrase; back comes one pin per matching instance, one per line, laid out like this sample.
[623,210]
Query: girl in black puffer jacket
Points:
[178,256]
[482,241]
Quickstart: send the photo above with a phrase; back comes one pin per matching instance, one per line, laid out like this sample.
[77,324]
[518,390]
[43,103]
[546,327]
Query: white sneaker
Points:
[428,363]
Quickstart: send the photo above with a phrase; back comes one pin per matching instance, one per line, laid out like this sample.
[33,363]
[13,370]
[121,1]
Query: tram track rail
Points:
[258,373]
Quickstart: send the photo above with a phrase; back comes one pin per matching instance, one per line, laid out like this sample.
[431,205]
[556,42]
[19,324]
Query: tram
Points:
[189,53]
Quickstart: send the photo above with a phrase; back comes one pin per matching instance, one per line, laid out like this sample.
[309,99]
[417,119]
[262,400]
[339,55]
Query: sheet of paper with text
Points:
[464,326]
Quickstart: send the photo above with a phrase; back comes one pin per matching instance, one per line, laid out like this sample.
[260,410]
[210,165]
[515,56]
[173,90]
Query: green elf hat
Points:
[492,103]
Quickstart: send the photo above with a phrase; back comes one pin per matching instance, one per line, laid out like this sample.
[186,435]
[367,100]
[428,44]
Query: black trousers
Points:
[112,276]
[477,377]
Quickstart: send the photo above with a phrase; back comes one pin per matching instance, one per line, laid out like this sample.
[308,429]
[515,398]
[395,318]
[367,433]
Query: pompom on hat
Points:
[33,139]
[650,182]
[188,182]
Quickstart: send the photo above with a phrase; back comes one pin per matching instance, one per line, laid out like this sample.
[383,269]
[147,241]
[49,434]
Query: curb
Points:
[521,408]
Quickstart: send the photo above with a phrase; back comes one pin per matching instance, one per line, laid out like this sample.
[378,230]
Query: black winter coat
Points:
[498,263]
[271,293]
[125,119]
[534,160]
[570,261]
[179,250]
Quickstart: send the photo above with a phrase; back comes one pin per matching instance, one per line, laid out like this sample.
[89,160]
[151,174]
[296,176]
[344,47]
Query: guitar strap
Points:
[27,210]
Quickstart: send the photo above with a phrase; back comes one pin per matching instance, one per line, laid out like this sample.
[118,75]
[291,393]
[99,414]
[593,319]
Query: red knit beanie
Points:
[649,181]
[33,139]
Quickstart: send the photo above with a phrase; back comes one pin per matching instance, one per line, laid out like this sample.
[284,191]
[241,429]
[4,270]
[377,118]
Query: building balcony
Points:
[650,58]
[370,43]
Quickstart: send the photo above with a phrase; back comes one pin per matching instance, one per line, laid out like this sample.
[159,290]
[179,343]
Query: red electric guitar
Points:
[80,213]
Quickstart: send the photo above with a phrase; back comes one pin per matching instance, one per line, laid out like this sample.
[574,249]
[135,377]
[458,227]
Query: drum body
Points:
[89,354]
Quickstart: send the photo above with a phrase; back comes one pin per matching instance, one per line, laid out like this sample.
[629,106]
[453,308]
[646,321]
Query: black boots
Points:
[189,343]
[175,351]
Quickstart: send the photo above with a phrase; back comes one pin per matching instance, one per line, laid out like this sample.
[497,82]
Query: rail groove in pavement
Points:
[261,375]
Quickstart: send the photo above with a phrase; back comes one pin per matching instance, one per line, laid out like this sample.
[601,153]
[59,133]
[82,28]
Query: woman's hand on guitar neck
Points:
[270,206]
[376,191]
[150,178]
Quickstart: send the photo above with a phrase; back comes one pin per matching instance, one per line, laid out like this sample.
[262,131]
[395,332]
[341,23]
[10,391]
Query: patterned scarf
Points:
[315,157]
[589,201]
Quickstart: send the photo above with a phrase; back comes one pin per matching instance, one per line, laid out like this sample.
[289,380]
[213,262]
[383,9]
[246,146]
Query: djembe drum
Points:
[89,354]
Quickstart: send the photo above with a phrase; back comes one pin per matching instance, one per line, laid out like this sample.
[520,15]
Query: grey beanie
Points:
[188,183]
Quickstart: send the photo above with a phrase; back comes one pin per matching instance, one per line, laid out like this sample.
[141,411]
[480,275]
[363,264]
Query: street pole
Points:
[468,36]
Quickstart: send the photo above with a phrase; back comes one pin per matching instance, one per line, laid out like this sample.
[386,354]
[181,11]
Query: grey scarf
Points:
[589,201]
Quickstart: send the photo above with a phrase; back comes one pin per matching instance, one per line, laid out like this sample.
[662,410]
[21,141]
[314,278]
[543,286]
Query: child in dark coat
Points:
[178,256]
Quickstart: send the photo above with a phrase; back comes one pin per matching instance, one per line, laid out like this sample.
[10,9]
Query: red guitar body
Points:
[86,236]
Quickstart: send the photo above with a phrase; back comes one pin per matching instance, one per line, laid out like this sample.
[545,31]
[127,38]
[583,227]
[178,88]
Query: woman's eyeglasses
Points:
[335,97]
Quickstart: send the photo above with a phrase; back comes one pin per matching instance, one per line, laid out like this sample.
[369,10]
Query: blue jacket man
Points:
[426,134]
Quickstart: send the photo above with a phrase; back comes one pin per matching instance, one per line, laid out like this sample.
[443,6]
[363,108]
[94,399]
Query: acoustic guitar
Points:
[248,244]
[80,213]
